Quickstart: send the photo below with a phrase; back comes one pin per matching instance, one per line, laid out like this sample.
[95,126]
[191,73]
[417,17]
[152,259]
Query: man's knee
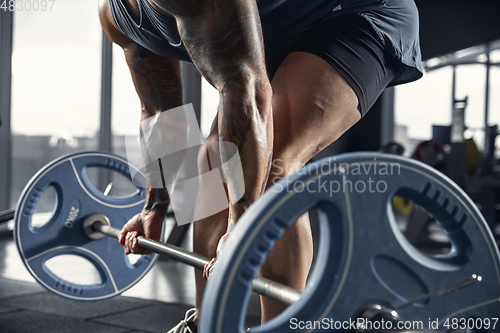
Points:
[208,155]
[207,233]
[281,168]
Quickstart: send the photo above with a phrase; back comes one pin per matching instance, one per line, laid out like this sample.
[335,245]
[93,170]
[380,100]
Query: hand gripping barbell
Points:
[365,267]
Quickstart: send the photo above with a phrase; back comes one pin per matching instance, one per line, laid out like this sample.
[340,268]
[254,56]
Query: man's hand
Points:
[207,271]
[145,223]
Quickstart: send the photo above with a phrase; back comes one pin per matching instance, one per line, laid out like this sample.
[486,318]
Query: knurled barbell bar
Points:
[97,224]
[364,261]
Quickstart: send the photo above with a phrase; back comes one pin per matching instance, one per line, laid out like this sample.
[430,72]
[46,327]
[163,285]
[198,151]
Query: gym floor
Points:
[155,304]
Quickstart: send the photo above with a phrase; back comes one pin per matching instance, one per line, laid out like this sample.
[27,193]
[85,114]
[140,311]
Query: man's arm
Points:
[157,81]
[224,40]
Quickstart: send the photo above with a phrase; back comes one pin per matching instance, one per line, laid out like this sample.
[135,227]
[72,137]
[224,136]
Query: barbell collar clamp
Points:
[89,226]
[96,225]
[374,312]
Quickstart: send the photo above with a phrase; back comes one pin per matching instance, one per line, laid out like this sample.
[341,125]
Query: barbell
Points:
[365,267]
[76,228]
[98,225]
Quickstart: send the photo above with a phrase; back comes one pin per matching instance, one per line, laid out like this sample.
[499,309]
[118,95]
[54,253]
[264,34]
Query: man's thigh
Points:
[313,105]
[330,78]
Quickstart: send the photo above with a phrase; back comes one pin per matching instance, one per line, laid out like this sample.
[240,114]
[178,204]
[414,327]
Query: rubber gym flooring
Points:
[155,304]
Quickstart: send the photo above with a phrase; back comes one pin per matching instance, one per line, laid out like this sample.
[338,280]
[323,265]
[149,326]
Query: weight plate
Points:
[76,199]
[363,257]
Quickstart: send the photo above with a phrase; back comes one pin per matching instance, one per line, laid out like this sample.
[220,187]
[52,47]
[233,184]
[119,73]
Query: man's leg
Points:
[207,231]
[312,106]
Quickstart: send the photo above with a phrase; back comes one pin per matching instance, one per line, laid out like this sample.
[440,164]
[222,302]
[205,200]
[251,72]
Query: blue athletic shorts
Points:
[373,44]
[351,46]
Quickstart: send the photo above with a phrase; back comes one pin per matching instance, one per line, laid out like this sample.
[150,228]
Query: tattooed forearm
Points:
[158,83]
[238,127]
[157,201]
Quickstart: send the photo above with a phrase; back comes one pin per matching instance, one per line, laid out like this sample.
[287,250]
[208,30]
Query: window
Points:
[420,104]
[56,69]
[429,101]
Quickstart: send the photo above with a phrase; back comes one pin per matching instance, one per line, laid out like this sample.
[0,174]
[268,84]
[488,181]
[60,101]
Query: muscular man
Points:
[292,75]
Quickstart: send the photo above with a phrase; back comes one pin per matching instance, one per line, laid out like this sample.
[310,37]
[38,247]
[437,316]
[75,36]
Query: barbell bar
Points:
[260,285]
[7,215]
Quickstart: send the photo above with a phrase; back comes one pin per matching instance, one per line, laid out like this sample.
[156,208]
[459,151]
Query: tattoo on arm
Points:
[238,127]
[222,39]
[157,79]
[158,83]
[157,201]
